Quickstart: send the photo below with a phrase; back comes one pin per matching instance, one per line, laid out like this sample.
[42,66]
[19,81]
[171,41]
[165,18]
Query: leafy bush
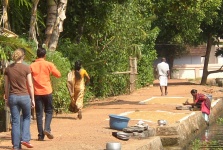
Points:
[105,47]
[2,102]
[220,121]
[60,93]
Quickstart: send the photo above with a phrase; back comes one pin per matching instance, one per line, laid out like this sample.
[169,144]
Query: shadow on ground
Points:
[5,138]
[116,102]
[177,83]
[5,147]
[64,117]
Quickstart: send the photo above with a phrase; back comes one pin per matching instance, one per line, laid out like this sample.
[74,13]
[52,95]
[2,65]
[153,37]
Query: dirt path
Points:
[93,132]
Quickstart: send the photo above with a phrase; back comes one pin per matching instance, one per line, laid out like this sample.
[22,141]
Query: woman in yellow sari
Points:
[77,79]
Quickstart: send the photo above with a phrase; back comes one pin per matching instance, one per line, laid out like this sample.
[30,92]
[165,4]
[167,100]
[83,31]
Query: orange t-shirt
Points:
[41,71]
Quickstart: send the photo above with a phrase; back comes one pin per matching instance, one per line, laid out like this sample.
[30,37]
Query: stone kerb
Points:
[216,109]
[182,132]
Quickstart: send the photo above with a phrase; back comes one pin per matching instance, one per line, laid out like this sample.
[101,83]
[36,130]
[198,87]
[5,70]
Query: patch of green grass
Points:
[219,121]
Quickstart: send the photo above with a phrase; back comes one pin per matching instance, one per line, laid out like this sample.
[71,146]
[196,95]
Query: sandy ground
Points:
[93,131]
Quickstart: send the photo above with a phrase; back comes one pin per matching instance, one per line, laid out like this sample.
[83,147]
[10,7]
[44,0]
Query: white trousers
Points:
[206,117]
[163,80]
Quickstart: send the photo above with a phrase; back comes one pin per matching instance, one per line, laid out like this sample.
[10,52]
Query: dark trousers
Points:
[43,102]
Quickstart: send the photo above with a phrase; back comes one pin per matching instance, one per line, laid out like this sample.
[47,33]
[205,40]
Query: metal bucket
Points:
[113,146]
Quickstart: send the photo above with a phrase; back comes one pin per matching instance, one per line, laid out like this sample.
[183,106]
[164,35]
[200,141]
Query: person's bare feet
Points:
[79,114]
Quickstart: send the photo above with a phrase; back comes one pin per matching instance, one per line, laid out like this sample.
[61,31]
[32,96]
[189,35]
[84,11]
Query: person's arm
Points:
[195,100]
[157,70]
[55,71]
[6,85]
[187,103]
[70,83]
[31,90]
[168,71]
[87,78]
[168,74]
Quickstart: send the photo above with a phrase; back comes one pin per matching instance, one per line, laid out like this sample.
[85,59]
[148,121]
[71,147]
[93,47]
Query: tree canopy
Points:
[103,34]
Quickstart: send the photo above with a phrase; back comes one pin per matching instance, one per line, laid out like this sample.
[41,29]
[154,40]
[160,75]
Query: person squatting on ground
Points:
[76,86]
[201,101]
[19,98]
[41,71]
[164,74]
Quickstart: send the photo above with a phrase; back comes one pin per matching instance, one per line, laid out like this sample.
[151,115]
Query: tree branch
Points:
[221,67]
[215,71]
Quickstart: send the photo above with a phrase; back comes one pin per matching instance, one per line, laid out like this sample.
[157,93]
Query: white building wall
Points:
[195,71]
[187,60]
[191,67]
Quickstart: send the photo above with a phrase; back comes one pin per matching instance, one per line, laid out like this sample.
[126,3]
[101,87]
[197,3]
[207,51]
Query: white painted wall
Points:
[191,67]
[187,60]
[195,71]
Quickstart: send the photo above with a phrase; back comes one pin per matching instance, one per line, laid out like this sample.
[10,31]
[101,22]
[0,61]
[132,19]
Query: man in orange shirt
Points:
[41,71]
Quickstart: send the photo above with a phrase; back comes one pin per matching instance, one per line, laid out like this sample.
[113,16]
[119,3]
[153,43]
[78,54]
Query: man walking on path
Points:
[163,73]
[41,71]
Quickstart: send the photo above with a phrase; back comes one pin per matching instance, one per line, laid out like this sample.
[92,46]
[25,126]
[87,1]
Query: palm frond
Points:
[10,44]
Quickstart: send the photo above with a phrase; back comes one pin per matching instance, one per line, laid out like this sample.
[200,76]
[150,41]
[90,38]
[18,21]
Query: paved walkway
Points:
[93,132]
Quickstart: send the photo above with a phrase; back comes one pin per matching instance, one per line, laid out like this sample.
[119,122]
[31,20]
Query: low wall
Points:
[178,135]
[194,71]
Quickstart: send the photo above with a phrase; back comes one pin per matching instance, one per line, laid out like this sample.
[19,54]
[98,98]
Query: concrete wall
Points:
[178,135]
[191,67]
[195,71]
[188,60]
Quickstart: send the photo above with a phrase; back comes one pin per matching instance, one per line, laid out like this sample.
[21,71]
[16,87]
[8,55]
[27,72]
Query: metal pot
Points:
[162,122]
[113,146]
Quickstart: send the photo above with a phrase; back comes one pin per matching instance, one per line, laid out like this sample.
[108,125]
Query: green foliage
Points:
[2,103]
[19,15]
[220,121]
[105,47]
[60,93]
[184,23]
[179,21]
[8,45]
[103,35]
[196,145]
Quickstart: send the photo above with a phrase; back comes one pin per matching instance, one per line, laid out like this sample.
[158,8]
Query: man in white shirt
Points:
[163,74]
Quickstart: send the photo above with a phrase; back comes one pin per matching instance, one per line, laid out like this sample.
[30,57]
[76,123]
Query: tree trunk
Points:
[170,62]
[33,22]
[206,61]
[5,19]
[54,24]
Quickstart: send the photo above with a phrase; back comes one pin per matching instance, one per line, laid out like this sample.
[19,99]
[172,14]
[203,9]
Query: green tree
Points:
[179,23]
[188,22]
[212,29]
[109,33]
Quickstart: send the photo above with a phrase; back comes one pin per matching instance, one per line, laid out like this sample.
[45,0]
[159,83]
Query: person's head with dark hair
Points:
[41,52]
[193,92]
[77,65]
[163,59]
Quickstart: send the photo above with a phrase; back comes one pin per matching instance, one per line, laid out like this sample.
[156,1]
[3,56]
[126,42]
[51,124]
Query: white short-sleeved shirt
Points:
[162,69]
